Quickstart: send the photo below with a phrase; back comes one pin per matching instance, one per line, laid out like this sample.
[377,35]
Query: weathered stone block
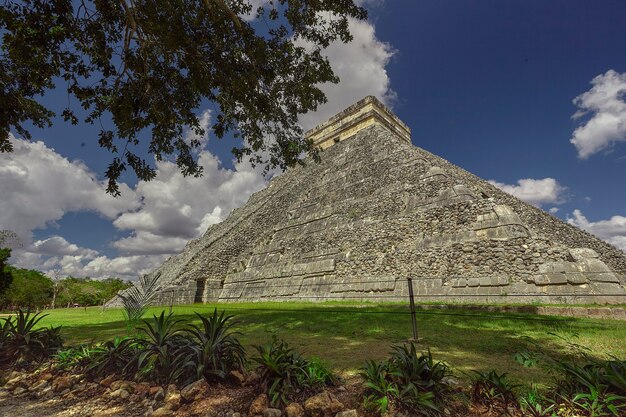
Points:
[582,253]
[485,282]
[550,279]
[459,282]
[577,278]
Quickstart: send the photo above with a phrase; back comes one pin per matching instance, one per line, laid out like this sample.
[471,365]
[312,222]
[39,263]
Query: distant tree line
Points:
[28,288]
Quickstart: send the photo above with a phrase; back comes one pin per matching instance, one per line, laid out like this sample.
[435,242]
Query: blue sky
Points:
[487,85]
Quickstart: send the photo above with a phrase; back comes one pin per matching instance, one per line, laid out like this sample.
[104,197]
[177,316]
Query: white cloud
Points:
[553,210]
[612,230]
[175,208]
[360,66]
[55,256]
[38,186]
[607,125]
[128,267]
[535,192]
[58,246]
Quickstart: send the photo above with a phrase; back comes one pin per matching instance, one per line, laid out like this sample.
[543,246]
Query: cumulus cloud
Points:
[121,266]
[58,246]
[361,68]
[612,230]
[56,256]
[535,192]
[175,208]
[38,186]
[607,124]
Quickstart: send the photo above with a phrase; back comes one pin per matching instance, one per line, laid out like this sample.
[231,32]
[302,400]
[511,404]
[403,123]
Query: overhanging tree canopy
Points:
[149,64]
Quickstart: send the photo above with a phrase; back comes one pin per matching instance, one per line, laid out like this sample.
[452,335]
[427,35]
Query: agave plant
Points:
[534,404]
[216,349]
[380,388]
[615,375]
[417,372]
[164,355]
[23,342]
[115,356]
[493,390]
[280,367]
[418,377]
[137,298]
[316,375]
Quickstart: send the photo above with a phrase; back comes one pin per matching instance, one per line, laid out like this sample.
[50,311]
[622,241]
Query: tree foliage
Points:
[88,292]
[29,289]
[5,275]
[148,66]
[8,238]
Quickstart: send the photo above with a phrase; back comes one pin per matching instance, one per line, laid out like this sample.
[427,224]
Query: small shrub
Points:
[415,372]
[280,367]
[596,403]
[163,356]
[413,381]
[316,375]
[614,375]
[493,390]
[114,356]
[21,342]
[583,384]
[4,339]
[72,357]
[216,351]
[166,354]
[595,387]
[380,387]
[534,404]
[284,371]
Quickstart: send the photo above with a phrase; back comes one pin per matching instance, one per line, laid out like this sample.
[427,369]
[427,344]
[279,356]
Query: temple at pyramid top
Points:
[366,112]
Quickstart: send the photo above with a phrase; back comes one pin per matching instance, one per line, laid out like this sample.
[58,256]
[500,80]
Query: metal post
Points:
[412,301]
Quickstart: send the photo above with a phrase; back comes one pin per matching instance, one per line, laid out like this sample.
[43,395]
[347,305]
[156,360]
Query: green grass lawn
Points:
[345,335]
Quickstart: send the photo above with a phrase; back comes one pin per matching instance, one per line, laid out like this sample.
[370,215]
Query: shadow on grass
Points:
[345,336]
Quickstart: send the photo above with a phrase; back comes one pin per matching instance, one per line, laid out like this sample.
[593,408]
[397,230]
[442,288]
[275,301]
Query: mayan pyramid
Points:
[378,210]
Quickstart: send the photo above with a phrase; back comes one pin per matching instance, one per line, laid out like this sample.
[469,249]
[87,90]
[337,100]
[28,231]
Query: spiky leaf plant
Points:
[115,356]
[280,368]
[165,352]
[216,349]
[21,341]
[137,298]
[493,390]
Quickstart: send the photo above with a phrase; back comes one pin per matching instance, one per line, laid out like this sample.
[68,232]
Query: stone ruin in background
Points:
[378,210]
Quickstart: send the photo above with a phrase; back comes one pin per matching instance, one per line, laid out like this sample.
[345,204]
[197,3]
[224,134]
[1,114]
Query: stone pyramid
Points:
[378,210]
